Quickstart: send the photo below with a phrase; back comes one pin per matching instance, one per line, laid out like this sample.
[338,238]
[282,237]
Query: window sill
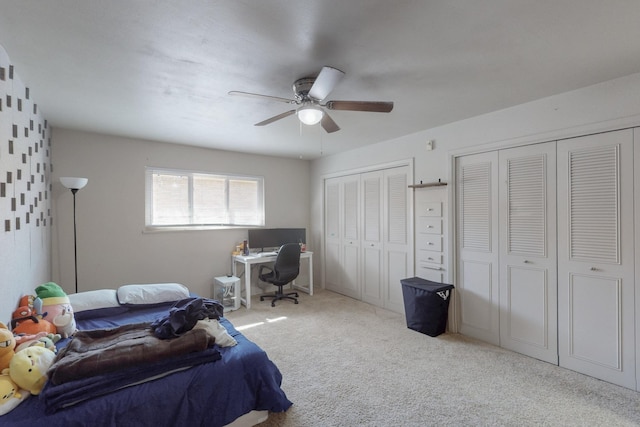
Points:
[165,229]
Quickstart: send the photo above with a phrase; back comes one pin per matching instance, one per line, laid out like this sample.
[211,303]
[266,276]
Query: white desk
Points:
[248,261]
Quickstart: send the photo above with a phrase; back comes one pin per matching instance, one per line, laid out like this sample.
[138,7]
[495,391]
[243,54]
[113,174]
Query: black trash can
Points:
[426,305]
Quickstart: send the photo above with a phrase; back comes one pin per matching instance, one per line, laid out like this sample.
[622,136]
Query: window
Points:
[177,199]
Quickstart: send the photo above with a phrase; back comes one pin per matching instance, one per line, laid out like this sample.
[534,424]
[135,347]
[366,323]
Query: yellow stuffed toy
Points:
[10,395]
[7,346]
[28,368]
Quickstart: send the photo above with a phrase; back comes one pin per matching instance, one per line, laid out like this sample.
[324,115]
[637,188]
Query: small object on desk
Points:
[261,254]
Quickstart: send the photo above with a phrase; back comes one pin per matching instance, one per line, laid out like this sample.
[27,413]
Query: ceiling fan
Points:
[310,92]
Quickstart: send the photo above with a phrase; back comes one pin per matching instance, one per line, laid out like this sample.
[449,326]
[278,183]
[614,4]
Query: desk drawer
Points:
[429,225]
[429,242]
[429,209]
[430,257]
[430,274]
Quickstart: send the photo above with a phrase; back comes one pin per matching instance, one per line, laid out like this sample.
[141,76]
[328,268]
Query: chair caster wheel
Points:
[261,299]
[273,305]
[296,302]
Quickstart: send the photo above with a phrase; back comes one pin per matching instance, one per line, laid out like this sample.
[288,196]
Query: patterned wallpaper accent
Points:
[25,157]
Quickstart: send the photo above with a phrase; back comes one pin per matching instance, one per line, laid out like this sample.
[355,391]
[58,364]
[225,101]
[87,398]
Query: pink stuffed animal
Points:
[56,305]
[41,339]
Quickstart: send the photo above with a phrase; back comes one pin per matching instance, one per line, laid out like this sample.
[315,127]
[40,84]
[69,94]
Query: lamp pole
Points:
[74,184]
[75,241]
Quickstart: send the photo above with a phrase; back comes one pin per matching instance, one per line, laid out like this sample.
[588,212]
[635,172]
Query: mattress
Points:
[211,393]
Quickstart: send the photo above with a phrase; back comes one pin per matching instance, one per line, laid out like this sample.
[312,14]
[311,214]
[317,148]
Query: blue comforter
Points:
[188,392]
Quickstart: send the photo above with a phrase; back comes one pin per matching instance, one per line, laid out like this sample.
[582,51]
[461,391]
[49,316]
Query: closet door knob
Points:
[593,269]
[526,261]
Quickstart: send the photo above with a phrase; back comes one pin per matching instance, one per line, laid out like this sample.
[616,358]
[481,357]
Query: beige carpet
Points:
[347,363]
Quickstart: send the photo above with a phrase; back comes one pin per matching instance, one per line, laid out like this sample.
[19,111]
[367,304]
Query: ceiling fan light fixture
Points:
[309,115]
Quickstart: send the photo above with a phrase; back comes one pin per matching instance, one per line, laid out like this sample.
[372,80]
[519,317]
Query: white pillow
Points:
[152,293]
[92,300]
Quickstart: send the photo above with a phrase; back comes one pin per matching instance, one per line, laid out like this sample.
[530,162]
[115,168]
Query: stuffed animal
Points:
[50,341]
[33,303]
[23,312]
[28,368]
[30,325]
[7,346]
[56,305]
[42,339]
[10,395]
[65,323]
[23,338]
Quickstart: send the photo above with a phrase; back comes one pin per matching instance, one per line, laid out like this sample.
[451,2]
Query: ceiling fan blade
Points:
[328,124]
[276,118]
[257,95]
[328,78]
[372,106]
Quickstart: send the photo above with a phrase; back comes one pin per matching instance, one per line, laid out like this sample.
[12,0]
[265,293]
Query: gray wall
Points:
[610,105]
[113,248]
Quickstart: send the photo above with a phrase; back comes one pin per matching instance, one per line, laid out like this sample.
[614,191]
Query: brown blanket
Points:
[101,351]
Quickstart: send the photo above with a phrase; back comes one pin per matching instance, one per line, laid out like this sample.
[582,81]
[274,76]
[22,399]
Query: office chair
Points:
[284,270]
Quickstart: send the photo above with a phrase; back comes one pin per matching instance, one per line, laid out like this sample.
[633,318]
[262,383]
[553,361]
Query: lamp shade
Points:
[309,115]
[73,183]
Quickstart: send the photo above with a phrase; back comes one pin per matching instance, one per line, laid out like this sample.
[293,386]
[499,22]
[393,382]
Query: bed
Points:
[235,385]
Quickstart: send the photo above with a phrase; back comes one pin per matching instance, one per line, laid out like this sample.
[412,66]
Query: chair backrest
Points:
[287,264]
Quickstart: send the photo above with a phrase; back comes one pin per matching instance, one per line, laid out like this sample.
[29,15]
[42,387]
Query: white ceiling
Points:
[161,69]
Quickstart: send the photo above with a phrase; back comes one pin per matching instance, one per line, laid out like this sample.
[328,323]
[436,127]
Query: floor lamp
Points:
[74,184]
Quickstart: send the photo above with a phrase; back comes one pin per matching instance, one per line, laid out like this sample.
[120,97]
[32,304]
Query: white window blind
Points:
[476,207]
[397,205]
[594,206]
[526,207]
[187,199]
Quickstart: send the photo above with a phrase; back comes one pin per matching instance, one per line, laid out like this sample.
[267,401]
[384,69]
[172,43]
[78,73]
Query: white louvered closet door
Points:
[351,237]
[369,235]
[332,235]
[372,213]
[528,286]
[397,235]
[596,256]
[342,241]
[477,245]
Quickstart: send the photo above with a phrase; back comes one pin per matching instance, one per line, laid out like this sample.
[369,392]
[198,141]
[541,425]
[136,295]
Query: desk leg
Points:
[247,281]
[247,285]
[310,275]
[308,289]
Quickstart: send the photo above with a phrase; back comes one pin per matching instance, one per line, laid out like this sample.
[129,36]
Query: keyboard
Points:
[261,254]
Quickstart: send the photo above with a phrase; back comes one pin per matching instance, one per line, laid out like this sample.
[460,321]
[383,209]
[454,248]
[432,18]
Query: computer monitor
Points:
[263,239]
